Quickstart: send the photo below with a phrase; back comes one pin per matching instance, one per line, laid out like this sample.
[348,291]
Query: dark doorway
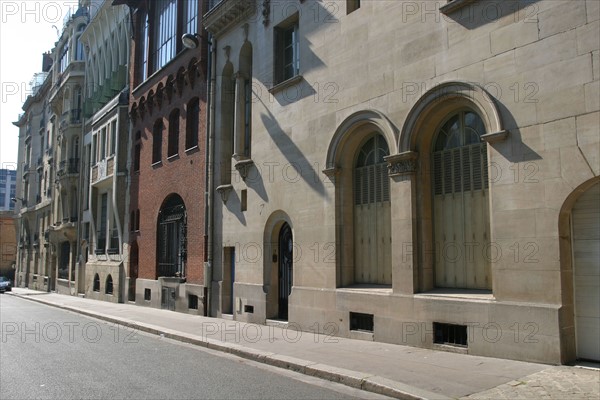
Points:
[285,269]
[171,243]
[133,270]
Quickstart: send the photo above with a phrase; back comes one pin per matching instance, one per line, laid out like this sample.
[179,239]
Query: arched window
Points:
[372,229]
[243,107]
[96,283]
[192,122]
[460,204]
[109,285]
[173,147]
[227,118]
[171,247]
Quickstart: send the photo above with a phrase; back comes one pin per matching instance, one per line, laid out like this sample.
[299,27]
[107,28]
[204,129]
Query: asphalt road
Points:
[49,353]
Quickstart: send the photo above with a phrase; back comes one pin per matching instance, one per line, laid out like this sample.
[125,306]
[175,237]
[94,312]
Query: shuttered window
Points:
[372,232]
[461,209]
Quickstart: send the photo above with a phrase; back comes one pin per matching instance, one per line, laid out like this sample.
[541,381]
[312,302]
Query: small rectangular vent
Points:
[450,334]
[192,302]
[147,294]
[361,322]
[249,309]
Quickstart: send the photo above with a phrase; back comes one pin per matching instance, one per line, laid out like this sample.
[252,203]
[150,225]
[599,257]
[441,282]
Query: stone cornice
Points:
[226,14]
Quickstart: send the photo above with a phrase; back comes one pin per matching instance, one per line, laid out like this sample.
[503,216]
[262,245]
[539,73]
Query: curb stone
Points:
[354,379]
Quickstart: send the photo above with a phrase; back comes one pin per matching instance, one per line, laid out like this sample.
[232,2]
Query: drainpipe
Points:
[209,192]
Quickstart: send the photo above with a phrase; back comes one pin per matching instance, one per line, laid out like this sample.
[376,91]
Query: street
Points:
[49,353]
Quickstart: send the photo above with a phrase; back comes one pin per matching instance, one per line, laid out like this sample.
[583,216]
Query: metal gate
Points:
[285,269]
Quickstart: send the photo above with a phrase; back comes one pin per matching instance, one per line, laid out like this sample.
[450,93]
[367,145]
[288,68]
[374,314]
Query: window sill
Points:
[454,5]
[464,294]
[367,288]
[192,149]
[156,164]
[173,157]
[285,84]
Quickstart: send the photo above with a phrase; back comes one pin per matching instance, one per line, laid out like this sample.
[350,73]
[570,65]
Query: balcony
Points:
[70,118]
[103,169]
[68,167]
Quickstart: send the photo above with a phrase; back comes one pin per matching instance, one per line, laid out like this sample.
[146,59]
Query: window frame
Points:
[173,139]
[280,46]
[192,121]
[157,139]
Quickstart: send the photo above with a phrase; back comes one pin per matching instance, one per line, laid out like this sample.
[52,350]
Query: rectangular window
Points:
[287,55]
[157,142]
[191,16]
[247,116]
[101,244]
[145,43]
[165,32]
[113,136]
[192,122]
[102,154]
[147,294]
[173,148]
[137,151]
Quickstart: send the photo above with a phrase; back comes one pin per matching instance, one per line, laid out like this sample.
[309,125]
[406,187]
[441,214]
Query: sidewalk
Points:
[393,370]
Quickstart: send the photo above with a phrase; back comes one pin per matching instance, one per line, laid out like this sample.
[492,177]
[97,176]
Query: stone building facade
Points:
[35,185]
[168,113]
[420,173]
[104,228]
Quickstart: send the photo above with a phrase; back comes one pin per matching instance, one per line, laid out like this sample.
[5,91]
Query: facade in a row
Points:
[410,173]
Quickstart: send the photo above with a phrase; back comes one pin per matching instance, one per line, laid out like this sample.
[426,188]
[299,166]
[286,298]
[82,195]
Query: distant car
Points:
[5,285]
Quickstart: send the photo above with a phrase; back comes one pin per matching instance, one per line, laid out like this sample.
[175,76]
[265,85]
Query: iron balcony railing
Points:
[70,166]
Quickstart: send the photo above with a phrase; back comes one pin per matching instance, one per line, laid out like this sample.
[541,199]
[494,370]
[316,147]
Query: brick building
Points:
[168,111]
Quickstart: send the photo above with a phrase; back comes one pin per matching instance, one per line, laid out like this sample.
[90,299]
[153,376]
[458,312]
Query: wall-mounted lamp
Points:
[191,40]
[14,200]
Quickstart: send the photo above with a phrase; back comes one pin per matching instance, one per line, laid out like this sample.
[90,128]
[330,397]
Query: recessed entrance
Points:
[285,274]
[585,222]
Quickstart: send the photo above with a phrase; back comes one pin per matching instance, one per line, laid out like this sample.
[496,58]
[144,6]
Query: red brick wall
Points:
[183,174]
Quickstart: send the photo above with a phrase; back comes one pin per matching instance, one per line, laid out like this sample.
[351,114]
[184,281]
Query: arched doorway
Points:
[285,270]
[171,243]
[585,249]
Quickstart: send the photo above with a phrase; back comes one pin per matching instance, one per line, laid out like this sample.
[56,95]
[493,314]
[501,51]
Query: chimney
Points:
[46,62]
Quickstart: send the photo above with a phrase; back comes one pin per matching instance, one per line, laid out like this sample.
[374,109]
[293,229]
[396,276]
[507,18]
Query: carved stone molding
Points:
[243,167]
[224,191]
[332,173]
[402,163]
[495,137]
